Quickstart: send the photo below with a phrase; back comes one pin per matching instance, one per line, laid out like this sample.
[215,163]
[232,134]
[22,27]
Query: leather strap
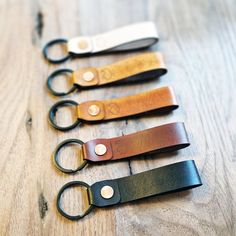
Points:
[127,106]
[131,37]
[164,138]
[143,66]
[164,180]
[162,99]
[146,65]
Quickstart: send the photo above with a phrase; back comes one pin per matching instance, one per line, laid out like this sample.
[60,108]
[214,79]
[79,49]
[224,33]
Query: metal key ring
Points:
[52,43]
[56,156]
[69,185]
[55,74]
[53,111]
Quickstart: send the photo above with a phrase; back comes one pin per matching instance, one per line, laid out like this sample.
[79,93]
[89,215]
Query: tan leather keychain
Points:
[164,138]
[143,66]
[161,99]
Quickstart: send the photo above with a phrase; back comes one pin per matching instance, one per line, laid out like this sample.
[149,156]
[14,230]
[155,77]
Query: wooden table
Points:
[198,40]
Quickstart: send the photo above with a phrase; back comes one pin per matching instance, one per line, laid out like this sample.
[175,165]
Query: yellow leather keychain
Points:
[136,68]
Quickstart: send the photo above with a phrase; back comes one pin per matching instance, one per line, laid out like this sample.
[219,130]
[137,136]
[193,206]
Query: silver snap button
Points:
[100,149]
[88,76]
[94,110]
[83,44]
[107,192]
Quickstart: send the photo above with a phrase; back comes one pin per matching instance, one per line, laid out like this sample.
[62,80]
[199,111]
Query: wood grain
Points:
[198,40]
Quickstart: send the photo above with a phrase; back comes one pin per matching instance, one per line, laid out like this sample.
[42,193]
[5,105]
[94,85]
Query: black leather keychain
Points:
[167,179]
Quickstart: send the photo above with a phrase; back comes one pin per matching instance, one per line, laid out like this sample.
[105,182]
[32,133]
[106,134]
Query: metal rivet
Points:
[93,110]
[107,192]
[100,149]
[82,44]
[88,76]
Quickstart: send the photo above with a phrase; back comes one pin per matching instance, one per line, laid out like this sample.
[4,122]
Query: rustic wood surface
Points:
[198,40]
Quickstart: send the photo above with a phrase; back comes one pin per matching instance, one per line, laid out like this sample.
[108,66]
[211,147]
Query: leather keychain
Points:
[143,66]
[131,37]
[161,99]
[164,180]
[164,138]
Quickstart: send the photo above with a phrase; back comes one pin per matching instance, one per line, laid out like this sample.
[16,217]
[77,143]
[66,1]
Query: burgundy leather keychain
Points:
[164,138]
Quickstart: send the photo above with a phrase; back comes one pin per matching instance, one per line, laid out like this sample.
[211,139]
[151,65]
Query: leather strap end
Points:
[161,100]
[92,153]
[142,66]
[160,60]
[95,194]
[168,98]
[86,77]
[164,138]
[80,45]
[91,111]
[174,137]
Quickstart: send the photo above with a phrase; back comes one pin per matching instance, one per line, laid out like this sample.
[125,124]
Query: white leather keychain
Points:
[131,37]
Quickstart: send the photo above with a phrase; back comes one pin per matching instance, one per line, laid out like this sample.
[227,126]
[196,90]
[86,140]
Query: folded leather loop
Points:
[131,37]
[164,138]
[143,66]
[161,99]
[164,180]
